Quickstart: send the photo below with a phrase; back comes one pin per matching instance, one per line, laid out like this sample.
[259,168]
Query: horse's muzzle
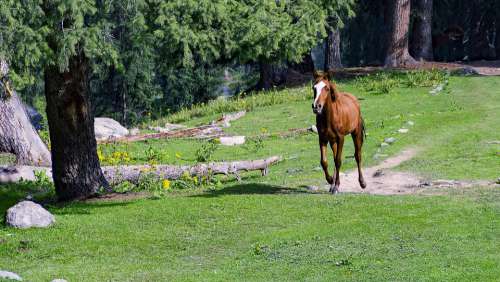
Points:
[317,109]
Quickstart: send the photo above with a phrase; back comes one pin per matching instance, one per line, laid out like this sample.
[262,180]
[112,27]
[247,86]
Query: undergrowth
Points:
[378,83]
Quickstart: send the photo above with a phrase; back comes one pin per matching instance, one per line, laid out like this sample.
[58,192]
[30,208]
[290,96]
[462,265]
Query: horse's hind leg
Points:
[324,162]
[357,138]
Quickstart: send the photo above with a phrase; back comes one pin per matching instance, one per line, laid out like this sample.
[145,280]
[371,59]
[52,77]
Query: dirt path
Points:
[381,180]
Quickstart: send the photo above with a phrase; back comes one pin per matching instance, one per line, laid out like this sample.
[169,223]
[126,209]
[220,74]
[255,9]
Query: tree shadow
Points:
[13,193]
[250,189]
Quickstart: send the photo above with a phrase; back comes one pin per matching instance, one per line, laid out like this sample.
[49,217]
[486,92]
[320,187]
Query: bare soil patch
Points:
[381,180]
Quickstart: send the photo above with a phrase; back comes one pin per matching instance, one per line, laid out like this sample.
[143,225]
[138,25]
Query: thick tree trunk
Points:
[421,47]
[265,76]
[17,135]
[397,52]
[76,168]
[332,51]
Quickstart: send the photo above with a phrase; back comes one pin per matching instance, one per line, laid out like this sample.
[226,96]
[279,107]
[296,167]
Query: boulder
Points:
[390,140]
[106,128]
[27,214]
[9,276]
[232,140]
[35,117]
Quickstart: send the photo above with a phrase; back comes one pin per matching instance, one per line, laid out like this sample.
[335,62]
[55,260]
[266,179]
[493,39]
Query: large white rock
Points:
[10,275]
[232,140]
[106,128]
[27,214]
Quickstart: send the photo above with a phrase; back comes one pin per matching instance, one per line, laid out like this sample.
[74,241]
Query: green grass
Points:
[270,228]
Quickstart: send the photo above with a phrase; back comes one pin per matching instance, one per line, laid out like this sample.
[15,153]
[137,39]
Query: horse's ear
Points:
[317,74]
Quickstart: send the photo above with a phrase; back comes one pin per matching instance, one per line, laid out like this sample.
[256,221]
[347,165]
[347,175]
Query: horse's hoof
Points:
[334,189]
[362,183]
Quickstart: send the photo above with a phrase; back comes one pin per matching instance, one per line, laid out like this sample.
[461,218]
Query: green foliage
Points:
[206,151]
[237,103]
[43,181]
[275,31]
[386,82]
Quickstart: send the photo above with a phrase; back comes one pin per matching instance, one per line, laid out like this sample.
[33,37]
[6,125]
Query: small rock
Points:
[318,168]
[467,70]
[378,173]
[425,183]
[403,130]
[410,123]
[10,275]
[59,280]
[106,128]
[134,131]
[232,140]
[383,144]
[313,128]
[390,140]
[27,214]
[312,188]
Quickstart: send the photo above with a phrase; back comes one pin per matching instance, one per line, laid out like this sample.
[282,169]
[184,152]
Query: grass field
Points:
[271,228]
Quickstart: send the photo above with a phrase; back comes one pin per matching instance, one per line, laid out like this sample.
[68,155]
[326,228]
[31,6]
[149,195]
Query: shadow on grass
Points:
[11,194]
[250,189]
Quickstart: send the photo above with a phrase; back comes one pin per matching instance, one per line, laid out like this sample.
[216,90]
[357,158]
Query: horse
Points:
[337,115]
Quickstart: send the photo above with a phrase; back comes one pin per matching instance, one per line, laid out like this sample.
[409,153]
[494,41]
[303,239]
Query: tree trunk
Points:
[266,76]
[76,169]
[332,51]
[421,47]
[17,135]
[397,52]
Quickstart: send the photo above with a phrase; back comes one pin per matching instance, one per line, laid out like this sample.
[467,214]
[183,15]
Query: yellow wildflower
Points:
[166,184]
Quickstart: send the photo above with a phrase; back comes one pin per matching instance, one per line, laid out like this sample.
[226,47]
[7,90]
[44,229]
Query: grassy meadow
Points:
[272,228]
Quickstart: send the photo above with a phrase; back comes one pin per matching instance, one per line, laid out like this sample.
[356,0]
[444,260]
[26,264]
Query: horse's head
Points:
[322,88]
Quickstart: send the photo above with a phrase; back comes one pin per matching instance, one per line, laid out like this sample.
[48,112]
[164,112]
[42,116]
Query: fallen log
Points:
[205,131]
[226,119]
[132,173]
[212,130]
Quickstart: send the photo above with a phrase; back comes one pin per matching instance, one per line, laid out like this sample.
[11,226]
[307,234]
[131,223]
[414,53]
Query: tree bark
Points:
[75,165]
[397,52]
[17,134]
[421,47]
[265,76]
[332,51]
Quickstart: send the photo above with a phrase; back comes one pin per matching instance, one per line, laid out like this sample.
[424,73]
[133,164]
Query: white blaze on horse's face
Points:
[318,88]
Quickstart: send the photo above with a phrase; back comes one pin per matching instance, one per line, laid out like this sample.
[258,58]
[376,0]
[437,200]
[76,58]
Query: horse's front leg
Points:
[324,161]
[338,164]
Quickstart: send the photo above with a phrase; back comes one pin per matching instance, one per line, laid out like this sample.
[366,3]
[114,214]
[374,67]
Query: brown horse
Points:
[337,114]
